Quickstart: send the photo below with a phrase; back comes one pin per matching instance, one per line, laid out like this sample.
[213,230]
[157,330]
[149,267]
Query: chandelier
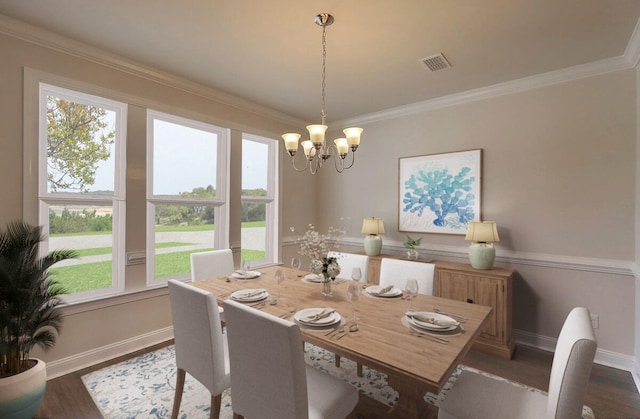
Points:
[316,150]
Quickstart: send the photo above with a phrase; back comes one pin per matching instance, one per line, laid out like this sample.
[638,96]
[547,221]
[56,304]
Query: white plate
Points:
[301,315]
[247,275]
[240,295]
[315,278]
[374,289]
[431,326]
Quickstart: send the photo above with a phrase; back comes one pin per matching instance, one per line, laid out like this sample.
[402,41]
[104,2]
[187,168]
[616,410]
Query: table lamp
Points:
[373,228]
[482,254]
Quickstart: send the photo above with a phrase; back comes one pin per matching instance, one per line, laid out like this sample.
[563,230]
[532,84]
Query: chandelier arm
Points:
[353,160]
[293,163]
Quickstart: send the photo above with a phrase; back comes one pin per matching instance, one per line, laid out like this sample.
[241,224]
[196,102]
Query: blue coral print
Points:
[449,197]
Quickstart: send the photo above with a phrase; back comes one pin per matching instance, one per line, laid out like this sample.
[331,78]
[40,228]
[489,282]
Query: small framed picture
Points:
[439,193]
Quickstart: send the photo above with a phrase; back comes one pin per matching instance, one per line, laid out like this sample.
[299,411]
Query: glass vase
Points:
[326,287]
[412,254]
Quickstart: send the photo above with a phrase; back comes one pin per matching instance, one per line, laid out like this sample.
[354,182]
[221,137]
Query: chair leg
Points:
[177,399]
[216,402]
[237,416]
[337,361]
[359,369]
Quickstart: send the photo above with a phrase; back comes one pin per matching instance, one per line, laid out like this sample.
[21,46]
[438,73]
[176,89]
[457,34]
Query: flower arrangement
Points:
[317,246]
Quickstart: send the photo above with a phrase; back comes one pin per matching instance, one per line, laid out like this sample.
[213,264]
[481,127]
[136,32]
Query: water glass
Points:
[295,264]
[410,291]
[353,294]
[279,277]
[356,274]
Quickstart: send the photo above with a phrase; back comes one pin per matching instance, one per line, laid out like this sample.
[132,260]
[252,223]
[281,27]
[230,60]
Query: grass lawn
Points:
[97,275]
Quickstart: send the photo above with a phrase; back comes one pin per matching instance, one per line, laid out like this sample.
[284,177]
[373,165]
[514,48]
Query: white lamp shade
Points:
[342,145]
[353,135]
[291,141]
[309,150]
[372,226]
[316,134]
[482,232]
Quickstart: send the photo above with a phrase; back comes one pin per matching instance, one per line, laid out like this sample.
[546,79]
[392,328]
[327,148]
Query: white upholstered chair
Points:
[348,261]
[200,346]
[477,396]
[212,264]
[269,377]
[397,271]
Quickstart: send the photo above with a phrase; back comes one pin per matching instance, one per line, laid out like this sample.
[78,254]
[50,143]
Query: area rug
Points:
[143,387]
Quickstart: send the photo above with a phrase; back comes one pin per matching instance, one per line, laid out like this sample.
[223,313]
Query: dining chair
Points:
[397,271]
[200,345]
[269,376]
[348,261]
[478,396]
[212,264]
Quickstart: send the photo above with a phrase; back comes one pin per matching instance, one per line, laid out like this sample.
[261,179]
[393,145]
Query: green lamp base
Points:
[482,255]
[372,245]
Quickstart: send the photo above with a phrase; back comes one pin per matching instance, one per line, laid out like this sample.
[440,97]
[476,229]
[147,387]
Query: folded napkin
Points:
[384,290]
[326,312]
[246,274]
[250,294]
[432,320]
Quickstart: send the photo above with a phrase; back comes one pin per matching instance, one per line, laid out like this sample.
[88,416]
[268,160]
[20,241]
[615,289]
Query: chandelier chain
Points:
[323,112]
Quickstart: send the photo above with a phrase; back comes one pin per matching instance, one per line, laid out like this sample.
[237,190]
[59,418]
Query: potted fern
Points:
[29,315]
[411,244]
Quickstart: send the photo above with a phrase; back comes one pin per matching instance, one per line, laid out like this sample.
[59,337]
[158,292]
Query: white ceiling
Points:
[270,51]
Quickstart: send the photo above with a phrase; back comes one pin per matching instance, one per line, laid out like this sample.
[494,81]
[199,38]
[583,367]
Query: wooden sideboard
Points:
[459,281]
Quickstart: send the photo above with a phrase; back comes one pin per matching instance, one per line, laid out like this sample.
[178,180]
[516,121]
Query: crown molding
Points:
[42,37]
[537,81]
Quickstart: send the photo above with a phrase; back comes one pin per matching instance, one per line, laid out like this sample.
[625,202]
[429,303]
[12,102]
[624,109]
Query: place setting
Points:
[245,272]
[378,291]
[434,325]
[249,296]
[318,318]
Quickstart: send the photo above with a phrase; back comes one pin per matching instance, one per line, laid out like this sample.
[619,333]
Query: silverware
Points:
[223,295]
[453,316]
[341,336]
[258,305]
[340,332]
[354,327]
[335,329]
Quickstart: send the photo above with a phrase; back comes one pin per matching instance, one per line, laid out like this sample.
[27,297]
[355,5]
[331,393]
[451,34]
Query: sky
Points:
[185,158]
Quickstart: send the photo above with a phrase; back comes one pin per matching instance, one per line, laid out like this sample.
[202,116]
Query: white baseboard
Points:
[603,356]
[86,359]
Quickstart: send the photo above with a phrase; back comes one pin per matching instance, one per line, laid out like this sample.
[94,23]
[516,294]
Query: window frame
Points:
[117,201]
[220,203]
[271,201]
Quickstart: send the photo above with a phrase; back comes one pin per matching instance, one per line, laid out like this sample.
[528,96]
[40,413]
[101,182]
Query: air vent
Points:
[436,62]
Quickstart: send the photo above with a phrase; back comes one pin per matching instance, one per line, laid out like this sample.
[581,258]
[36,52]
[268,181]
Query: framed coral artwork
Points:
[439,193]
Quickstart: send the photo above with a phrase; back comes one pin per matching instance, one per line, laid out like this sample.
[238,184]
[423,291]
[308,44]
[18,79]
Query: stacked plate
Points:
[245,274]
[249,295]
[315,278]
[431,322]
[384,292]
[317,317]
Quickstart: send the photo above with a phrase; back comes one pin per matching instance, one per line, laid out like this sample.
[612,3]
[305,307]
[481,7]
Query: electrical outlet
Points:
[595,321]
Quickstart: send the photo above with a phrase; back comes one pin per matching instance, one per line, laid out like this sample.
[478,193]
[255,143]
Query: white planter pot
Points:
[22,394]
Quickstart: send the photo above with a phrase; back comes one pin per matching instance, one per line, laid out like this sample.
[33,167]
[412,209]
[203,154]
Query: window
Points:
[259,200]
[81,188]
[187,193]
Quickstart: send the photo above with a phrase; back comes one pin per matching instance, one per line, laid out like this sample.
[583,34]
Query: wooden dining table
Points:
[413,364]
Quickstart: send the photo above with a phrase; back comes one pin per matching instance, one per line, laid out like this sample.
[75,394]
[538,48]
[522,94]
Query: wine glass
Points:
[353,294]
[410,291]
[279,277]
[295,264]
[356,274]
[245,265]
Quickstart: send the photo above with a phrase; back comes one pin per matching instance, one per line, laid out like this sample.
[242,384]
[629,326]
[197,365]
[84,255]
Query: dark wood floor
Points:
[611,393]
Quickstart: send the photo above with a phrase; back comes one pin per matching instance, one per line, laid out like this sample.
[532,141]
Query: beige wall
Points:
[87,328]
[558,178]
